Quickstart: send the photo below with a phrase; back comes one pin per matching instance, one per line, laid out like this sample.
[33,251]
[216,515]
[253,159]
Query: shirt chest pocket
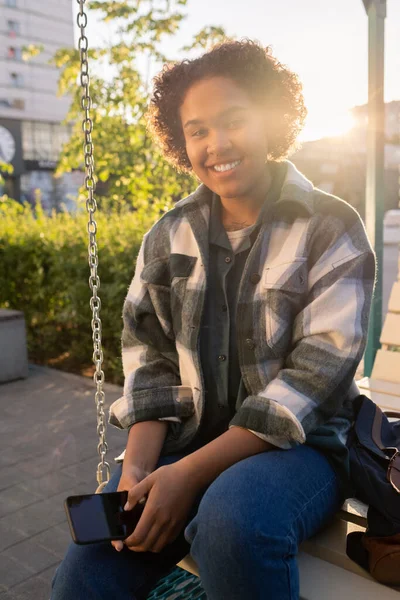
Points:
[162,272]
[167,280]
[284,286]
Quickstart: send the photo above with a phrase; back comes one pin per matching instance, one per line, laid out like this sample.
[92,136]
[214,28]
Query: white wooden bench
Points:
[326,572]
[383,387]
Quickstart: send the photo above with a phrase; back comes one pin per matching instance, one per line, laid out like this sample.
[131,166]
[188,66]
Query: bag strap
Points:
[377,426]
[392,414]
[393,471]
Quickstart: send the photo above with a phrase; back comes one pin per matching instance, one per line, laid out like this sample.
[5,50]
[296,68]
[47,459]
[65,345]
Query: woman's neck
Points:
[239,213]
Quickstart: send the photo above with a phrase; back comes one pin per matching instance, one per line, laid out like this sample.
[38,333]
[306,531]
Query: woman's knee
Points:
[259,503]
[228,519]
[224,538]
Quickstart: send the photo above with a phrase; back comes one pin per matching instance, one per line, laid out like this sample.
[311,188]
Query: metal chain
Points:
[103,468]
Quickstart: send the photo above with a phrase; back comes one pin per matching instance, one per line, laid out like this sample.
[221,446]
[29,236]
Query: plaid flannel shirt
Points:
[304,302]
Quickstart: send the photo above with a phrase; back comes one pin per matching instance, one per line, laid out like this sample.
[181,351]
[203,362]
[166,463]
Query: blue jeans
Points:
[243,532]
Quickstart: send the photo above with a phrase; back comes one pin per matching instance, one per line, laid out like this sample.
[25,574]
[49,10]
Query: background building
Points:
[392,120]
[31,134]
[338,165]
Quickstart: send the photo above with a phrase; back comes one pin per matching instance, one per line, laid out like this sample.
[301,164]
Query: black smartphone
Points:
[96,518]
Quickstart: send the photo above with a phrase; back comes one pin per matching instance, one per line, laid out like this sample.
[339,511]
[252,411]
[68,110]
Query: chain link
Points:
[103,468]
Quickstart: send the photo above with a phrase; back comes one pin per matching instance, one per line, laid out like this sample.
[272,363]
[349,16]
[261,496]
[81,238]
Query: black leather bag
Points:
[374,447]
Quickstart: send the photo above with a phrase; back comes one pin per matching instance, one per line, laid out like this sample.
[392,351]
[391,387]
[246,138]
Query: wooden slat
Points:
[354,511]
[394,300]
[380,385]
[387,367]
[320,580]
[391,330]
[330,545]
[189,564]
[384,401]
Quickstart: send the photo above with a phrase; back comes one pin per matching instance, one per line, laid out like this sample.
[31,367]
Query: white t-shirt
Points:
[236,238]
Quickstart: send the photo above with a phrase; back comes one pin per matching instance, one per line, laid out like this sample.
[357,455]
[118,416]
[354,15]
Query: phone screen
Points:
[100,517]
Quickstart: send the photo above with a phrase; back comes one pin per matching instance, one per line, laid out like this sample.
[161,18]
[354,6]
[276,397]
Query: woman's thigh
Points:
[252,518]
[276,492]
[98,571]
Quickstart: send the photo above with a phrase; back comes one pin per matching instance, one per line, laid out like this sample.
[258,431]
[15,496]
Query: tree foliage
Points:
[130,168]
[5,168]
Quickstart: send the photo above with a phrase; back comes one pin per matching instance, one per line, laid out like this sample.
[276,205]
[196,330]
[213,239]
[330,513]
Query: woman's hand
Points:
[131,476]
[170,497]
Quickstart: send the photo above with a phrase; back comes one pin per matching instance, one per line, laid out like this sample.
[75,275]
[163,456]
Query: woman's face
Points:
[225,136]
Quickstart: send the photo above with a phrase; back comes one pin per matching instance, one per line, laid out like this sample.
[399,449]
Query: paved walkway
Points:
[47,452]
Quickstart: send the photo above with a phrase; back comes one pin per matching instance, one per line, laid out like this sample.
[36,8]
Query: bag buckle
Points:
[393,472]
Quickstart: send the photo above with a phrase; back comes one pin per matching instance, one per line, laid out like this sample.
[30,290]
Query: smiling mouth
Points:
[224,168]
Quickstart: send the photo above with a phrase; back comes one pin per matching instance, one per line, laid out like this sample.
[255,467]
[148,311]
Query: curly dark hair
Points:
[254,69]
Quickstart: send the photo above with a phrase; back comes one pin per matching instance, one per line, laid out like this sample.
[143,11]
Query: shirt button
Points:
[250,344]
[224,308]
[255,278]
[228,259]
[222,357]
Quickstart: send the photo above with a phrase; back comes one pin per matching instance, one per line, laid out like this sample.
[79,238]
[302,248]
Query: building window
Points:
[17,80]
[28,145]
[14,53]
[18,103]
[11,3]
[13,28]
[43,141]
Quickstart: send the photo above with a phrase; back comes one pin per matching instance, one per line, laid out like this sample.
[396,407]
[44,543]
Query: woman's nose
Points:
[219,144]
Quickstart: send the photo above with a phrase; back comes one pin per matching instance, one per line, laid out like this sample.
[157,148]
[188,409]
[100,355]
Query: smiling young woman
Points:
[243,328]
[227,145]
[256,113]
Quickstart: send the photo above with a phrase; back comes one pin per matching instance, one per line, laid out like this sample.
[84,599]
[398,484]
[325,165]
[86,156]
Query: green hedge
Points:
[44,272]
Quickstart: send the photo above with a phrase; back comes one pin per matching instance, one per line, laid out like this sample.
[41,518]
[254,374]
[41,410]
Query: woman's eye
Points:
[199,133]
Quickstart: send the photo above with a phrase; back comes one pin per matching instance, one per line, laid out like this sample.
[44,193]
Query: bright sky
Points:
[324,41]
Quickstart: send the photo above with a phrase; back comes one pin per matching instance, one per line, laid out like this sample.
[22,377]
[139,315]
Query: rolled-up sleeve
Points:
[152,382]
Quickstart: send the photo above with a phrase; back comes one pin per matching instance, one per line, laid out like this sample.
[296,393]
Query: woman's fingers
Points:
[162,540]
[151,540]
[138,492]
[143,528]
[118,545]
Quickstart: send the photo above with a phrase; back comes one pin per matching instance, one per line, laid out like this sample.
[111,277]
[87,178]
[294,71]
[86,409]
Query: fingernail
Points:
[119,546]
[127,507]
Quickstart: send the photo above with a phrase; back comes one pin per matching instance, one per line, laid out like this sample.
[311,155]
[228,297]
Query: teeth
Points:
[227,167]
